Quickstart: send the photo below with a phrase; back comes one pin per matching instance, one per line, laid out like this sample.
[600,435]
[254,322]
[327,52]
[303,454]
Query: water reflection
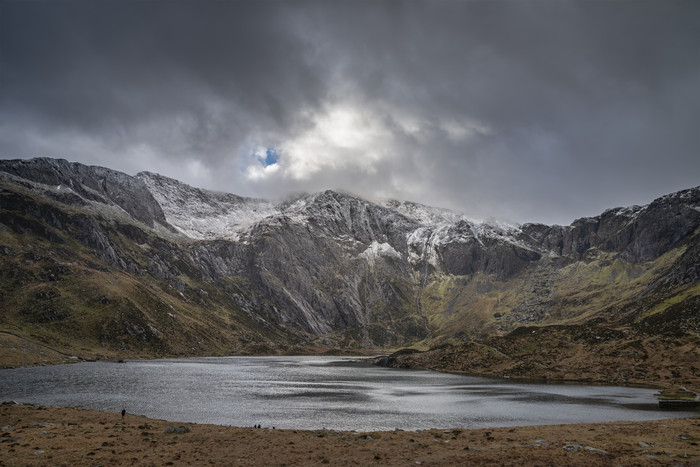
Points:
[315,392]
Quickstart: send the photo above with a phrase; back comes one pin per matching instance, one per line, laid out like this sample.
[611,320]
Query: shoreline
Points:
[668,392]
[373,358]
[18,352]
[40,435]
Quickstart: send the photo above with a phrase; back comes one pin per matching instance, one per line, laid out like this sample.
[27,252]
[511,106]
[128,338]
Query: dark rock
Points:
[571,447]
[91,183]
[678,404]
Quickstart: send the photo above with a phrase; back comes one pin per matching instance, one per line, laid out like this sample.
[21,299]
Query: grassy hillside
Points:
[55,291]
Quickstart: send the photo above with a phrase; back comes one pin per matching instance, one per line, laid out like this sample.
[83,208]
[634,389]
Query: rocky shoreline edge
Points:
[38,435]
[677,392]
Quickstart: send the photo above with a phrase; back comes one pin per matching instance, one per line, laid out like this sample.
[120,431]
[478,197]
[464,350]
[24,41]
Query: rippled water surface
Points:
[316,392]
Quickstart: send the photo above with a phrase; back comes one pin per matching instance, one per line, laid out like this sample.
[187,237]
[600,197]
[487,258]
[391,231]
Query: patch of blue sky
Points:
[270,157]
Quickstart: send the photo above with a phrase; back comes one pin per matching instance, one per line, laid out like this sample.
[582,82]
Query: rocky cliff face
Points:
[327,268]
[74,183]
[638,233]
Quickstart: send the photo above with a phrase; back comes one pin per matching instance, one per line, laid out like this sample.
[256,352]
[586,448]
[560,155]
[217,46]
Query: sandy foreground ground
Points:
[44,436]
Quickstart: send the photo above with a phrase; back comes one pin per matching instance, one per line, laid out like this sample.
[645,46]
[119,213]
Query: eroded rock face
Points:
[328,262]
[469,253]
[80,183]
[639,233]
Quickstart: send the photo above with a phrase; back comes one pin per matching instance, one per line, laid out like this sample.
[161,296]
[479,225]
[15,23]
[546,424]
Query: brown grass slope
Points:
[32,435]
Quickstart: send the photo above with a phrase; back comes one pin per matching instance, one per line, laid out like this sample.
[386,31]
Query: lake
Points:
[320,392]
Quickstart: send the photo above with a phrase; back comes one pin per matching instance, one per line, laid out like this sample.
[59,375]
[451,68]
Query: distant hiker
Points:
[123,413]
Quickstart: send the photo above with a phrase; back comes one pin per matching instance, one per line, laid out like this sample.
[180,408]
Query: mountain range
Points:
[98,263]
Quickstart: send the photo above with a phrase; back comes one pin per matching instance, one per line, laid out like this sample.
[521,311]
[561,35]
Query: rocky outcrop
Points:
[467,253]
[76,183]
[638,233]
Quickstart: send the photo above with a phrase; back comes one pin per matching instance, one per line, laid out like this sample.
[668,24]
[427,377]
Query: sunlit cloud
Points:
[495,108]
[340,138]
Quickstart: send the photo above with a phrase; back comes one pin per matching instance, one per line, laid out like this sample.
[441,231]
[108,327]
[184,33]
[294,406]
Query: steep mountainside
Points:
[203,214]
[94,260]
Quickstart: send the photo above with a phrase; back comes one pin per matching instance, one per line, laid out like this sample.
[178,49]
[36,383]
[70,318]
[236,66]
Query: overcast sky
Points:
[524,111]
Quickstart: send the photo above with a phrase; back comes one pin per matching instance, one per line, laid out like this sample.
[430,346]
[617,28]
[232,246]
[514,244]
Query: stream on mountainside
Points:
[320,392]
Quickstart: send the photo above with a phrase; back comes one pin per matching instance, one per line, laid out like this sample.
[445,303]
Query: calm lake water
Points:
[317,392]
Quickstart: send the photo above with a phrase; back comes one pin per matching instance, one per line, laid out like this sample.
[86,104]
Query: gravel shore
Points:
[37,435]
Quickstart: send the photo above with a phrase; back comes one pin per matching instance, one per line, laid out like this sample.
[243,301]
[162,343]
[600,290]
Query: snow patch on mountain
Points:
[203,214]
[425,215]
[629,211]
[377,250]
[425,243]
[443,226]
[421,246]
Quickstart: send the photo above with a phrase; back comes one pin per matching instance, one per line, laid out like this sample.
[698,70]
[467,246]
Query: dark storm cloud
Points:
[91,65]
[537,110]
